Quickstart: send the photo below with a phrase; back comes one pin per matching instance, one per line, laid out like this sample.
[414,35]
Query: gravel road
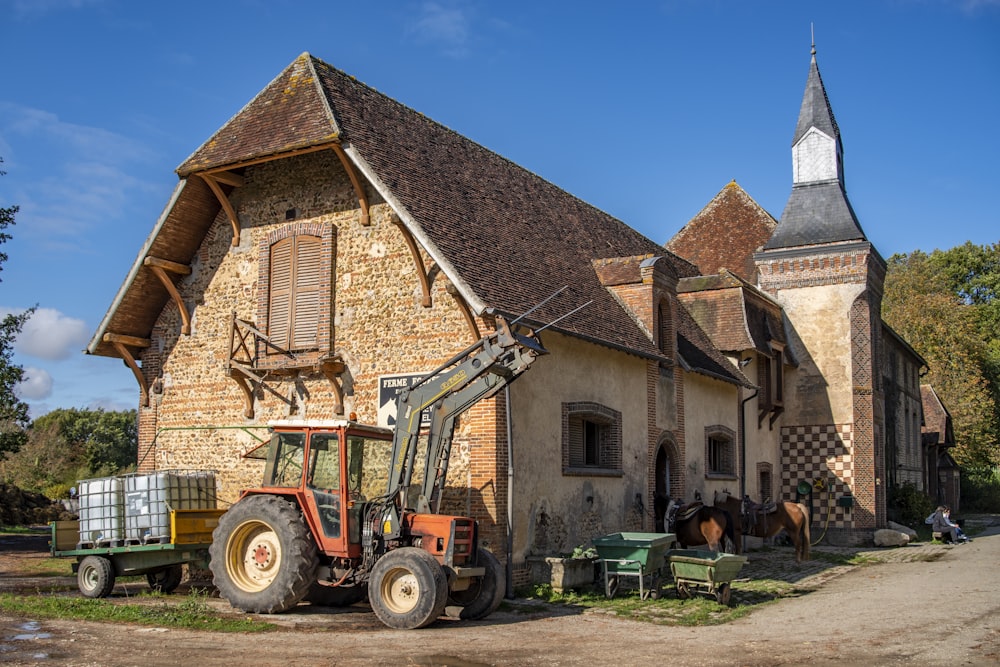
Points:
[905,612]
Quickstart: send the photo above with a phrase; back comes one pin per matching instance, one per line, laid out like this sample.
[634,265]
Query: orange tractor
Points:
[326,527]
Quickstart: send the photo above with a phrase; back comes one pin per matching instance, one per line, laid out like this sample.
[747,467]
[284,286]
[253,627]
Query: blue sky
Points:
[644,109]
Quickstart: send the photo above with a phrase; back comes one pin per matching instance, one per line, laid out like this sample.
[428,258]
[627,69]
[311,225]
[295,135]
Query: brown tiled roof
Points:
[734,313]
[508,238]
[937,419]
[725,234]
[699,355]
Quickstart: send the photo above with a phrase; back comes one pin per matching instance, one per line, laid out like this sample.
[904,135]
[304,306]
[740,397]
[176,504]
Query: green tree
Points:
[931,301]
[13,411]
[105,442]
[67,445]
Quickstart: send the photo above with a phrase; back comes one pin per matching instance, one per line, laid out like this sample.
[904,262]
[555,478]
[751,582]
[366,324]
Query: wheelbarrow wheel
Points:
[655,586]
[723,593]
[683,592]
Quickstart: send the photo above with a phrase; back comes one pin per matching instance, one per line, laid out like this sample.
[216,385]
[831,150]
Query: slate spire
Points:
[818,210]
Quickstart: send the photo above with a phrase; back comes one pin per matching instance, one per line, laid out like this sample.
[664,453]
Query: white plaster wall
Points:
[576,508]
[822,390]
[707,402]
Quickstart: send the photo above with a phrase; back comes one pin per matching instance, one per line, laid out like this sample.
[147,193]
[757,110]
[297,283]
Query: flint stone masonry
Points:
[379,327]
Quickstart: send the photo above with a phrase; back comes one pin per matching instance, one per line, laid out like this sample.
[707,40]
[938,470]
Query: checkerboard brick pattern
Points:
[820,450]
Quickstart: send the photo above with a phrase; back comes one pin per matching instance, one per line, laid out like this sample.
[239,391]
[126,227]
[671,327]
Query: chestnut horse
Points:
[695,524]
[768,520]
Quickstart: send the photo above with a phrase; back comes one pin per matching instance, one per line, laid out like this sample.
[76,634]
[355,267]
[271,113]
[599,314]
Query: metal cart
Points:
[97,565]
[695,570]
[638,555]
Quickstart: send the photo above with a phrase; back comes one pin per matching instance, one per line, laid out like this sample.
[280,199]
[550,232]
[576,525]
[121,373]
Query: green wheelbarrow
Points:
[696,570]
[638,555]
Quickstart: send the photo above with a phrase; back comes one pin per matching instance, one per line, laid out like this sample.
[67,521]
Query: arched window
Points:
[592,438]
[720,456]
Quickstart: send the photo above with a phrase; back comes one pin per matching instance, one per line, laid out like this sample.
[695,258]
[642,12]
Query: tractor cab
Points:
[330,468]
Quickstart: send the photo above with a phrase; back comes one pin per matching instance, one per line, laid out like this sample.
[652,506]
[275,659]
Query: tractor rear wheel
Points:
[263,557]
[166,580]
[483,595]
[408,589]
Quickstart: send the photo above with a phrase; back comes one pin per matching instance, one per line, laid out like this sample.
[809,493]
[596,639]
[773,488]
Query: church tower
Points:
[821,268]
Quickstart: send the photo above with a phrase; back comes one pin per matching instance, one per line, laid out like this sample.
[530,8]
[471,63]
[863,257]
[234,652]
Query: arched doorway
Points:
[664,466]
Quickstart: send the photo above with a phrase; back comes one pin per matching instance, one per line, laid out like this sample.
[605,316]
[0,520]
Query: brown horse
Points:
[768,520]
[695,524]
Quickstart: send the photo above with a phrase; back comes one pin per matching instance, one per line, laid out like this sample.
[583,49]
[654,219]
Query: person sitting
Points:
[942,524]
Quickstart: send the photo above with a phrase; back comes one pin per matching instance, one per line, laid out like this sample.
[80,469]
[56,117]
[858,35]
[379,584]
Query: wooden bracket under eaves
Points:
[160,268]
[122,343]
[215,181]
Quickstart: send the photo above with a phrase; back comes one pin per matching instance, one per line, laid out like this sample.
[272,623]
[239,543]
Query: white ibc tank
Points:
[150,497]
[101,511]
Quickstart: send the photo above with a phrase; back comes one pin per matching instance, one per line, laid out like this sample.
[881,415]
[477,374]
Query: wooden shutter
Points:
[305,304]
[279,313]
[294,299]
[577,455]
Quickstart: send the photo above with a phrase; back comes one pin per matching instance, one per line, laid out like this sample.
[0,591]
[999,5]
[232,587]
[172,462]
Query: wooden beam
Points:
[136,371]
[332,368]
[226,205]
[356,182]
[175,295]
[131,341]
[167,265]
[466,312]
[425,283]
[228,178]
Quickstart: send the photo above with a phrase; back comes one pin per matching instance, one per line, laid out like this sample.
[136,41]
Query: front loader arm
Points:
[476,373]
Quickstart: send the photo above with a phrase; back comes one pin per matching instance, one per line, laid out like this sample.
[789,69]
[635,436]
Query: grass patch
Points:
[845,559]
[668,609]
[48,567]
[193,613]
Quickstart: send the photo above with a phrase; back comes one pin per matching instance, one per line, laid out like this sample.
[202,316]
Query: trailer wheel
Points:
[166,580]
[263,557]
[408,589]
[484,595]
[336,596]
[96,577]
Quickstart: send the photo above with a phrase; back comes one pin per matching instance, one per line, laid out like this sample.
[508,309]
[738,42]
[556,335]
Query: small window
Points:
[764,489]
[591,437]
[719,454]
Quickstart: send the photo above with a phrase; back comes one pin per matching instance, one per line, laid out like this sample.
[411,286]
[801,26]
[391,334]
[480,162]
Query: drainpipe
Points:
[743,451]
[510,498]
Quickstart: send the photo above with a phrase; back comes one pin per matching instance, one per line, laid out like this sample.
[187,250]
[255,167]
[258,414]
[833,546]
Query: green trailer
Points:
[638,555]
[696,570]
[98,564]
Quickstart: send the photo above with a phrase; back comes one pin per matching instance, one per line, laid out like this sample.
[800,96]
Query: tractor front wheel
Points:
[483,595]
[263,557]
[408,589]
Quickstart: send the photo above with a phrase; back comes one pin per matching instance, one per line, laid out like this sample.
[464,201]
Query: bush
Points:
[910,505]
[981,490]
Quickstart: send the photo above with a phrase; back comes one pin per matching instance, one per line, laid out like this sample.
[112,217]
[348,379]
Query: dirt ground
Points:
[926,605]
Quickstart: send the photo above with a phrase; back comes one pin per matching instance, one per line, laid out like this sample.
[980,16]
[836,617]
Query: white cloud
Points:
[36,385]
[447,26]
[49,334]
[87,174]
